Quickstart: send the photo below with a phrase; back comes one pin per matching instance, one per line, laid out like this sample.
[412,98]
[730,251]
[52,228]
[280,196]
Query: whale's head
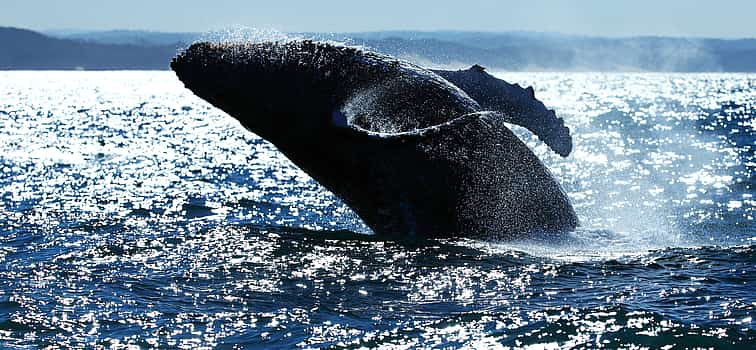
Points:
[271,88]
[296,89]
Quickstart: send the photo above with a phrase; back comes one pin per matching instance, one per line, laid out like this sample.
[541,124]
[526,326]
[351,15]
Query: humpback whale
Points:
[412,151]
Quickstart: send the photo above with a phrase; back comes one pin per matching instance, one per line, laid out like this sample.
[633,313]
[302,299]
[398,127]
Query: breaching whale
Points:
[411,151]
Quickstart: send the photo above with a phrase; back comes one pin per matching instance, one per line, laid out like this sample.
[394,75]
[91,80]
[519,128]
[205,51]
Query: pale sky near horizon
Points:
[681,18]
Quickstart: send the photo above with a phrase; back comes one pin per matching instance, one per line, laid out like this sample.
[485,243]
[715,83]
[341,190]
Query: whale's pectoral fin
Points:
[518,105]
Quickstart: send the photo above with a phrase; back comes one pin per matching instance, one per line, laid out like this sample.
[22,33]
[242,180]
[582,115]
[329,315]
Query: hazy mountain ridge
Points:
[23,49]
[532,51]
[127,37]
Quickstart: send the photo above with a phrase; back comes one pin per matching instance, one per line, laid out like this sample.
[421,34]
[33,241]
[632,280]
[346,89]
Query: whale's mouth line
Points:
[430,130]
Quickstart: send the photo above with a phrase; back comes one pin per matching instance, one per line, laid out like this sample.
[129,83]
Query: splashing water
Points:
[133,213]
[247,34]
[654,164]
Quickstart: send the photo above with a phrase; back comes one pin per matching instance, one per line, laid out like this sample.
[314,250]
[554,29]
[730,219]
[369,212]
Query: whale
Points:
[413,152]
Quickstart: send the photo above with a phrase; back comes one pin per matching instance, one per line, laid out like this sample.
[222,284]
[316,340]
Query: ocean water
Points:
[133,214]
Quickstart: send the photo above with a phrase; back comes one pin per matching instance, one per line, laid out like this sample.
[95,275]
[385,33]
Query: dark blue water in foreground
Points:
[132,213]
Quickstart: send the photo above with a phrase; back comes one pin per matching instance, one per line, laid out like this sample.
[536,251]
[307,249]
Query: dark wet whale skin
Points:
[350,119]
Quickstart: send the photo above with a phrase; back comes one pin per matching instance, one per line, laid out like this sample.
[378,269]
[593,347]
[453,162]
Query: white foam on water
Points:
[642,176]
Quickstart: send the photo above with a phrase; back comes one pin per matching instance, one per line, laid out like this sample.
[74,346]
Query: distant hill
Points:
[127,37]
[24,49]
[558,52]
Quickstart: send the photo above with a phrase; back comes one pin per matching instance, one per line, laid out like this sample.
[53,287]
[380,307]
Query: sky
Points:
[612,18]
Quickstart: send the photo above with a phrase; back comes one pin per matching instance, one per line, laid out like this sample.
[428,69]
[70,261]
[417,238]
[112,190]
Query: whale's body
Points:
[410,152]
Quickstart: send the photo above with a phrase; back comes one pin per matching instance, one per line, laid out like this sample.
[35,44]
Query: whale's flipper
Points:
[518,105]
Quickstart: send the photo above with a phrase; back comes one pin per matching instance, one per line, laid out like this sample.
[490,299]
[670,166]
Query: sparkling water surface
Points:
[132,213]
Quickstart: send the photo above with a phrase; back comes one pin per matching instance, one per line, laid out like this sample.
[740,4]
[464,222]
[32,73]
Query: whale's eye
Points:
[338,119]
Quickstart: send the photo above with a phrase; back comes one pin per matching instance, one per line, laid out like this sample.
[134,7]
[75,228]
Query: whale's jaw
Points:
[261,86]
[408,151]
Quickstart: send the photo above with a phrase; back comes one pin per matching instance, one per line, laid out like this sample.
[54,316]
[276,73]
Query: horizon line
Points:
[74,31]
